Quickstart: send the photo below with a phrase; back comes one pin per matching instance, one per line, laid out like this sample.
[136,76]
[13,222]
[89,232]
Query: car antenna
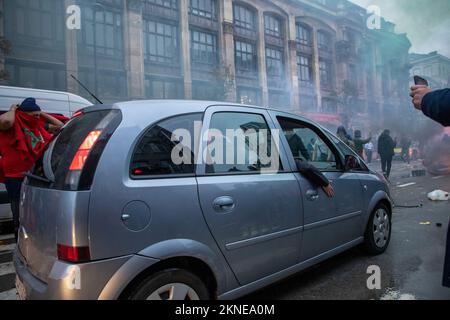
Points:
[84,87]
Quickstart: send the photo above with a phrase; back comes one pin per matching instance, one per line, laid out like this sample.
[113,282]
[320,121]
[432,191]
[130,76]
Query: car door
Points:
[252,206]
[329,223]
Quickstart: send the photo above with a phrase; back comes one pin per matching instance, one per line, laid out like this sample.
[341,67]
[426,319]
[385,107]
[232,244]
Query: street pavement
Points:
[411,268]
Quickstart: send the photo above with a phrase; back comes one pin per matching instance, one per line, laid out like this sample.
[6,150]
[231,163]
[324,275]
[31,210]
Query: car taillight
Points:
[83,151]
[73,254]
[77,114]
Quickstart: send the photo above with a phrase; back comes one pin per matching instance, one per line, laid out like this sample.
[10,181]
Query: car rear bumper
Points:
[66,281]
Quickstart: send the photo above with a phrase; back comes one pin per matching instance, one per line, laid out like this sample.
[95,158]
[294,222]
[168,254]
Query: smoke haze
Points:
[427,22]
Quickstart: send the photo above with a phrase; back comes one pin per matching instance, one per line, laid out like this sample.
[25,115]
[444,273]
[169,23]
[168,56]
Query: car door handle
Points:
[223,204]
[312,195]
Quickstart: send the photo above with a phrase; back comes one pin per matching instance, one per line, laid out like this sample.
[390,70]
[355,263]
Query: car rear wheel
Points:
[171,284]
[378,231]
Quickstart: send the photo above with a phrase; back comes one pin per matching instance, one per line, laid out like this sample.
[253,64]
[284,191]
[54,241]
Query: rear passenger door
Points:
[252,206]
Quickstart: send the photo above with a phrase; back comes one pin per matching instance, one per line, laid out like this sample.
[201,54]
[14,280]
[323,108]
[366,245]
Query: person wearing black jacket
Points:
[386,148]
[315,176]
[435,105]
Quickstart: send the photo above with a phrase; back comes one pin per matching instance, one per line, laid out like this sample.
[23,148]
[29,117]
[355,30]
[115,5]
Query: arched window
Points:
[324,41]
[244,17]
[204,8]
[303,35]
[272,26]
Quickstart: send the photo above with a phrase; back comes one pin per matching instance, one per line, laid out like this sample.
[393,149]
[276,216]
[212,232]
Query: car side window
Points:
[307,145]
[240,143]
[347,151]
[154,153]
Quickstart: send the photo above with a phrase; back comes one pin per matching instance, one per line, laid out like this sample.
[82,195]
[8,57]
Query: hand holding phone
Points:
[419,81]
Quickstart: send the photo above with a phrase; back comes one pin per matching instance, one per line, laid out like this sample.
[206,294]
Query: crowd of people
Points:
[381,147]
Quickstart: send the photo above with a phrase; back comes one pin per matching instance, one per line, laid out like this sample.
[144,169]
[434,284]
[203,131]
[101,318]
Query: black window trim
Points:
[160,176]
[317,130]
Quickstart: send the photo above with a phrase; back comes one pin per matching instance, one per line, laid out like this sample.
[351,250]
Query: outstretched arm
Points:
[315,176]
[434,104]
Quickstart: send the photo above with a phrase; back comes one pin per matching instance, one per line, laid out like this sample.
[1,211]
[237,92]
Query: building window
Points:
[274,62]
[160,42]
[171,4]
[244,17]
[34,22]
[352,75]
[102,34]
[248,96]
[203,48]
[278,99]
[162,89]
[329,105]
[304,68]
[204,8]
[36,75]
[325,73]
[272,26]
[323,41]
[245,56]
[111,85]
[202,90]
[308,103]
[303,35]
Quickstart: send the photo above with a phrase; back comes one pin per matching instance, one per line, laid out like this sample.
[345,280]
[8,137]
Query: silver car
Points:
[109,212]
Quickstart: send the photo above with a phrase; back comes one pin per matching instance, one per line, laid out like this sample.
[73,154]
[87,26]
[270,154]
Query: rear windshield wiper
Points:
[35,177]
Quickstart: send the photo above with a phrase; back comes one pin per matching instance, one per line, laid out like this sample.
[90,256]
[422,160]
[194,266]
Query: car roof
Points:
[194,106]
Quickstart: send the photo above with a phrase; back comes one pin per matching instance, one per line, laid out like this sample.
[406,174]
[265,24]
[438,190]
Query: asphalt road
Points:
[410,269]
[412,266]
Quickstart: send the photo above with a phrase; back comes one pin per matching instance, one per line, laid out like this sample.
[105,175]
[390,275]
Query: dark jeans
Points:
[13,186]
[446,278]
[369,156]
[386,165]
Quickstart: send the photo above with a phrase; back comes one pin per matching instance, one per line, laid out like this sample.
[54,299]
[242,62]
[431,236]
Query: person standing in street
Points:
[360,142]
[22,140]
[386,148]
[368,147]
[435,105]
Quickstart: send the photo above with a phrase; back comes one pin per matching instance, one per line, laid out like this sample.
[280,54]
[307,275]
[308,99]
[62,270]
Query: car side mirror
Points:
[351,163]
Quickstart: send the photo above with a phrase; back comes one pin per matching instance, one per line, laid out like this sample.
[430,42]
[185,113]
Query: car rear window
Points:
[54,164]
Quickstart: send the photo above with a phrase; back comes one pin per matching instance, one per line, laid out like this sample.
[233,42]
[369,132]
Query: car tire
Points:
[171,284]
[378,231]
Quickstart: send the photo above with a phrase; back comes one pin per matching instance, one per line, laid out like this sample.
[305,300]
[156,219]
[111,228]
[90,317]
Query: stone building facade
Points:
[433,66]
[297,55]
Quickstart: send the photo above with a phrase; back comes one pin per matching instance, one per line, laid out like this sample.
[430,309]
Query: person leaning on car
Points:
[435,105]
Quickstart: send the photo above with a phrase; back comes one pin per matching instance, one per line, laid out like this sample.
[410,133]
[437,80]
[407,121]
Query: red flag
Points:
[22,145]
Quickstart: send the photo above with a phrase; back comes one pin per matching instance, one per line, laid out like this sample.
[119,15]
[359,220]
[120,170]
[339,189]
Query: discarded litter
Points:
[439,195]
[426,223]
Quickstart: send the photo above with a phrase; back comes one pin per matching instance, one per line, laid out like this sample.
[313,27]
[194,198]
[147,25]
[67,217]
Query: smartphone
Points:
[420,81]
